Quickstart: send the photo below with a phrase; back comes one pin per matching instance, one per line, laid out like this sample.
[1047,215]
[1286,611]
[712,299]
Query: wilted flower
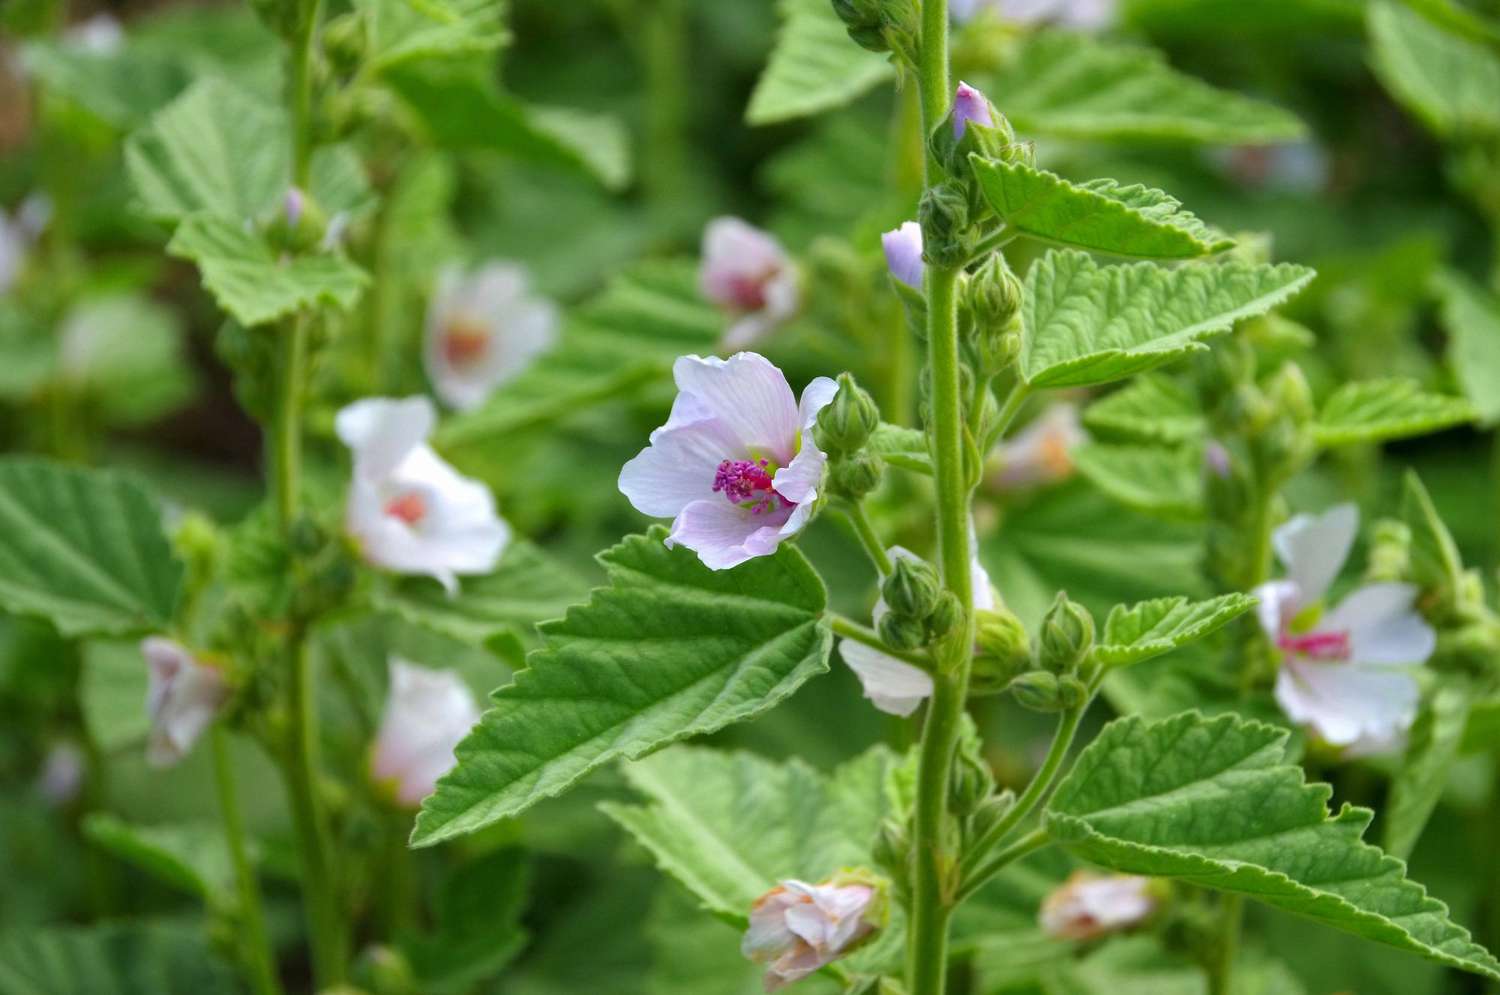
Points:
[1091,905]
[183,695]
[969,105]
[893,685]
[1042,453]
[1343,672]
[409,510]
[427,713]
[903,253]
[1085,15]
[746,271]
[735,466]
[798,928]
[62,774]
[483,329]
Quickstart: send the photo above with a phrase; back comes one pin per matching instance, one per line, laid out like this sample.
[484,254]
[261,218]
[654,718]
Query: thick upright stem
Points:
[1226,948]
[932,70]
[255,945]
[300,76]
[664,51]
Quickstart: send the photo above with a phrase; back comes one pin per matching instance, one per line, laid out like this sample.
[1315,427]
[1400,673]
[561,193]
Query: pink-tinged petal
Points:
[749,395]
[427,713]
[1382,627]
[739,263]
[1088,905]
[725,535]
[903,253]
[382,431]
[678,467]
[817,395]
[969,105]
[1278,602]
[183,697]
[800,479]
[893,686]
[1343,703]
[1313,548]
[499,324]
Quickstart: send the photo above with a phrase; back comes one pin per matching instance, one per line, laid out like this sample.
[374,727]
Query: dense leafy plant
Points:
[1069,494]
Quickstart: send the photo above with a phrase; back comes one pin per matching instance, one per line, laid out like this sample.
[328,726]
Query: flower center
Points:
[1328,646]
[747,291]
[410,507]
[747,483]
[464,342]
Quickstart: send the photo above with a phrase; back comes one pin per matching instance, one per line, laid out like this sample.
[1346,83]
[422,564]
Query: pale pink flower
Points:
[483,329]
[893,685]
[409,510]
[1345,673]
[427,713]
[1084,15]
[183,696]
[1042,452]
[1090,905]
[746,272]
[903,253]
[798,928]
[735,466]
[969,105]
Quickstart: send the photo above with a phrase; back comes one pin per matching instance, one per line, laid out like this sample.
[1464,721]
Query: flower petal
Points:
[725,535]
[678,467]
[1382,627]
[749,395]
[893,686]
[1345,703]
[382,431]
[1313,548]
[1278,601]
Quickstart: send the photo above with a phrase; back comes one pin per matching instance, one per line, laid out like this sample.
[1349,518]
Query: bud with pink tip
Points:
[1089,905]
[798,928]
[427,713]
[903,253]
[746,272]
[970,105]
[183,696]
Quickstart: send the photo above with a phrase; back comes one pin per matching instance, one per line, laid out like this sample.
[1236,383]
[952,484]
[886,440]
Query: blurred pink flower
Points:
[746,272]
[797,928]
[427,713]
[1090,905]
[483,330]
[903,253]
[183,696]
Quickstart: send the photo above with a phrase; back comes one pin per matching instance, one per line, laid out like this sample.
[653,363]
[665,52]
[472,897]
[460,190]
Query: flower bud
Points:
[1390,552]
[855,476]
[991,811]
[301,225]
[863,22]
[947,235]
[903,253]
[1036,690]
[1002,649]
[798,928]
[845,424]
[974,127]
[995,293]
[383,970]
[892,847]
[972,783]
[344,42]
[945,617]
[902,632]
[912,589]
[1290,395]
[1067,636]
[184,695]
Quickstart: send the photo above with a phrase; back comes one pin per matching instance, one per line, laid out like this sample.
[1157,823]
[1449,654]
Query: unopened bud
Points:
[972,783]
[995,293]
[947,236]
[945,616]
[903,254]
[383,970]
[844,425]
[863,22]
[855,476]
[1002,650]
[974,126]
[345,42]
[990,812]
[1290,395]
[1390,552]
[902,632]
[1036,690]
[892,847]
[912,589]
[301,224]
[1067,636]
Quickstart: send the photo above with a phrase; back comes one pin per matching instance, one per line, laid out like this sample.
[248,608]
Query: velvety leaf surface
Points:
[1212,802]
[1151,408]
[1097,216]
[669,650]
[1471,316]
[83,549]
[1151,628]
[1088,324]
[1376,410]
[814,67]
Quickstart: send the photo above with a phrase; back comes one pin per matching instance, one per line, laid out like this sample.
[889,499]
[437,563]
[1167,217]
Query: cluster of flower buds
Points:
[302,226]
[843,430]
[1002,650]
[881,25]
[797,929]
[1062,660]
[992,301]
[921,610]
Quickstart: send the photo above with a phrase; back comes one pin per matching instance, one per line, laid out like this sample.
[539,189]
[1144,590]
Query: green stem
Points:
[1062,740]
[300,767]
[997,239]
[1221,970]
[255,945]
[1007,414]
[663,50]
[850,629]
[1030,843]
[300,92]
[855,512]
[286,421]
[932,72]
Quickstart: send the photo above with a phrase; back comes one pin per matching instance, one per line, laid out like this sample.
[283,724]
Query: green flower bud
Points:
[1067,636]
[947,235]
[945,617]
[972,783]
[844,425]
[990,811]
[912,590]
[1290,395]
[893,847]
[1036,690]
[1003,649]
[974,126]
[345,41]
[902,632]
[863,22]
[300,225]
[384,970]
[855,476]
[1390,552]
[994,297]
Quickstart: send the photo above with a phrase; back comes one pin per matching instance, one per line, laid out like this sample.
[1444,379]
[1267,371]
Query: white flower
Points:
[484,329]
[1085,15]
[183,695]
[1344,673]
[798,928]
[1091,905]
[746,271]
[893,685]
[426,714]
[99,35]
[410,511]
[1042,453]
[735,466]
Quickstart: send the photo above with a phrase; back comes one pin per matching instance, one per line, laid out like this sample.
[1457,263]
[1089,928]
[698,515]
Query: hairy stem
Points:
[1009,408]
[855,512]
[1226,949]
[299,97]
[254,944]
[1030,843]
[850,629]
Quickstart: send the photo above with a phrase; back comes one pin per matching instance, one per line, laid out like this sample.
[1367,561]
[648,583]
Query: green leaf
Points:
[626,336]
[462,107]
[1471,316]
[730,825]
[478,929]
[1098,216]
[814,67]
[193,858]
[1435,562]
[253,285]
[121,88]
[123,353]
[112,695]
[1431,750]
[83,549]
[122,959]
[1150,408]
[903,447]
[1088,324]
[1212,802]
[525,588]
[1072,86]
[1447,81]
[402,31]
[1131,965]
[1152,628]
[670,649]
[1152,479]
[1377,410]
